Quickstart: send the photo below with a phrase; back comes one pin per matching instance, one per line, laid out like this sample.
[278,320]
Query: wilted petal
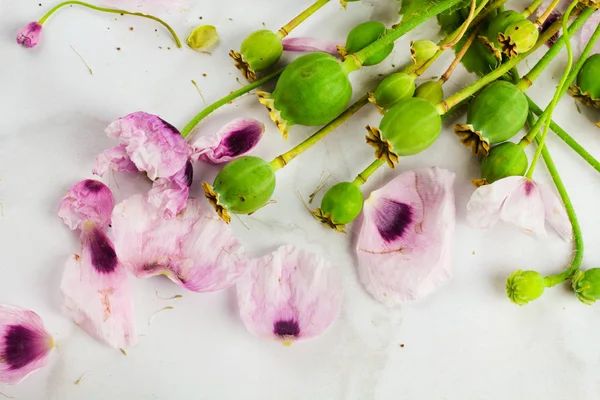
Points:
[155,146]
[524,208]
[195,249]
[483,210]
[290,294]
[555,213]
[30,34]
[309,45]
[96,293]
[405,241]
[115,158]
[234,140]
[87,200]
[170,195]
[25,344]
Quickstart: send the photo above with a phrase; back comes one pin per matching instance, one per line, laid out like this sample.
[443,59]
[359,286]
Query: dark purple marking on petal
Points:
[104,258]
[22,346]
[552,18]
[241,141]
[170,127]
[93,186]
[393,217]
[528,187]
[189,173]
[286,328]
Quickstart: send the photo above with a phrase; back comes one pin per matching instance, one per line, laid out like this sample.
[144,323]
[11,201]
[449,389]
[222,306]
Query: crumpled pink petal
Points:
[153,145]
[25,345]
[116,159]
[520,201]
[196,249]
[96,293]
[234,140]
[289,295]
[309,45]
[30,34]
[405,242]
[170,195]
[87,200]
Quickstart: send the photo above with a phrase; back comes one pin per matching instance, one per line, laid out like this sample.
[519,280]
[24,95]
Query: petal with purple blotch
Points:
[87,200]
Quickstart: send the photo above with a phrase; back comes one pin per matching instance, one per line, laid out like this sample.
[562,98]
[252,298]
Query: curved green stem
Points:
[367,172]
[111,10]
[542,18]
[463,28]
[532,7]
[224,100]
[287,28]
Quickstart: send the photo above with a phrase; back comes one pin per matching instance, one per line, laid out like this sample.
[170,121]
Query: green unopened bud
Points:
[340,205]
[506,159]
[586,285]
[202,37]
[588,83]
[422,50]
[394,88]
[524,286]
[518,38]
[363,35]
[259,51]
[431,91]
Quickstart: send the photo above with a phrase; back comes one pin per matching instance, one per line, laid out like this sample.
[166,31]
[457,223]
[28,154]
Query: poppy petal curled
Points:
[170,195]
[87,200]
[116,159]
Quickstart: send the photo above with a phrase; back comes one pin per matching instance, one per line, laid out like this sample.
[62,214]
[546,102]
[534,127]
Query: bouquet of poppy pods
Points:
[405,236]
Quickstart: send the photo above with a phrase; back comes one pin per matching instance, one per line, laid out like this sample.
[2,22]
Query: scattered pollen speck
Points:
[118,48]
[40,4]
[131,28]
[231,19]
[473,252]
[204,75]
[177,296]
[402,345]
[154,315]
[156,30]
[200,17]
[123,351]
[78,381]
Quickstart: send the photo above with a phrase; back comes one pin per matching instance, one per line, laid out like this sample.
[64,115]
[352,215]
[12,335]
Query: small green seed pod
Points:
[392,89]
[518,38]
[497,25]
[586,285]
[422,50]
[406,129]
[506,159]
[312,91]
[588,82]
[432,91]
[243,186]
[340,205]
[497,113]
[259,51]
[363,35]
[524,286]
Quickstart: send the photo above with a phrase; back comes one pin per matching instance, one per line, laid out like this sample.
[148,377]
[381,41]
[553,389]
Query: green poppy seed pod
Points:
[363,35]
[259,51]
[422,50]
[497,25]
[407,128]
[432,91]
[340,205]
[518,38]
[312,90]
[506,159]
[588,82]
[392,89]
[524,286]
[496,114]
[586,285]
[243,186]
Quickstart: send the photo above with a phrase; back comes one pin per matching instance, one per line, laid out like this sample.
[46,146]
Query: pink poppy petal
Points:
[196,249]
[116,159]
[586,32]
[30,35]
[170,195]
[25,345]
[555,213]
[524,208]
[405,242]
[234,140]
[485,205]
[96,293]
[153,145]
[289,295]
[87,200]
[306,44]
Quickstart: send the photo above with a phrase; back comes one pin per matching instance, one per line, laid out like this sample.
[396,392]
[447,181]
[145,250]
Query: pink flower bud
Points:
[30,34]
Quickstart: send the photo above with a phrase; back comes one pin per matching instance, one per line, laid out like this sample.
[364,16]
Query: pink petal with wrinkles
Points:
[96,292]
[116,159]
[306,44]
[555,213]
[196,249]
[30,35]
[405,242]
[155,146]
[170,195]
[524,208]
[234,140]
[586,32]
[485,206]
[25,345]
[289,295]
[87,200]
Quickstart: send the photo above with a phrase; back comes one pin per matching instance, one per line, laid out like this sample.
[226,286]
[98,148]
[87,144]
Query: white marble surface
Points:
[466,341]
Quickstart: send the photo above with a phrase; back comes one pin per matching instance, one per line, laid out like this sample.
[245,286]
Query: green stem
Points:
[283,159]
[111,10]
[570,141]
[287,28]
[224,100]
[367,172]
[463,28]
[542,18]
[532,7]
[355,61]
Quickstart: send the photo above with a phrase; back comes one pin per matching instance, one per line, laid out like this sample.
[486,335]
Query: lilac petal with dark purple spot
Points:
[88,200]
[393,217]
[309,45]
